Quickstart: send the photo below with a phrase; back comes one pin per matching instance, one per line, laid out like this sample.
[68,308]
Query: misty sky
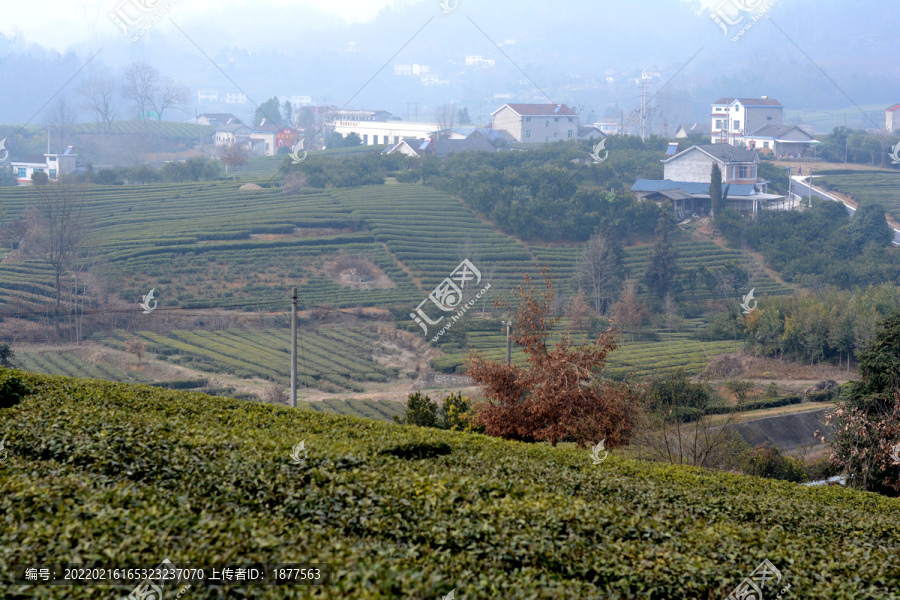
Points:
[819,56]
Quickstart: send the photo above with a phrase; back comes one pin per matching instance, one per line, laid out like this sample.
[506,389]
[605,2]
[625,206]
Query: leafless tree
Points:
[233,155]
[98,98]
[61,116]
[445,116]
[141,86]
[172,94]
[600,271]
[294,183]
[57,228]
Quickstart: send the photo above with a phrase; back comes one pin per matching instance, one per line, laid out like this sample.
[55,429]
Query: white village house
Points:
[53,165]
[687,178]
[536,123]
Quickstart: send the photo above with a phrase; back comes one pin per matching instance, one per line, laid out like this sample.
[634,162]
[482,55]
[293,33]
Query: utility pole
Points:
[809,185]
[294,348]
[508,342]
[790,180]
[643,103]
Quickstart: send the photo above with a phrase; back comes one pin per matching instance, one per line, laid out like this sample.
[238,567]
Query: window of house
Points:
[765,144]
[365,139]
[737,108]
[718,123]
[528,119]
[570,134]
[556,119]
[547,139]
[768,118]
[527,134]
[547,123]
[753,172]
[742,172]
[20,173]
[52,173]
[737,125]
[555,134]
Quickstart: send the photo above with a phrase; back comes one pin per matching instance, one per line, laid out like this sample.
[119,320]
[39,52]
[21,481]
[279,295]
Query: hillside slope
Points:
[111,473]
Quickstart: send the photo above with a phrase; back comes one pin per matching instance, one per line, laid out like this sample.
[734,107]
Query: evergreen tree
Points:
[715,190]
[270,110]
[663,266]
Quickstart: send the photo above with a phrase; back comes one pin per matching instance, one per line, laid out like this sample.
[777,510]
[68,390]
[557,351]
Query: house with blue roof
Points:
[687,177]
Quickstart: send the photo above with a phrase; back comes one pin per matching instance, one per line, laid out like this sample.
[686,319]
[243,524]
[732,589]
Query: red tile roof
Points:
[543,110]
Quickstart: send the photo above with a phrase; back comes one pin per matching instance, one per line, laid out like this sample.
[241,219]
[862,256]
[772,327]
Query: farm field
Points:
[150,466]
[672,351]
[330,359]
[691,255]
[866,187]
[211,245]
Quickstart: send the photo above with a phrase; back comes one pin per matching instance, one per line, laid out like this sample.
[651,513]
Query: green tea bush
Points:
[109,473]
[767,461]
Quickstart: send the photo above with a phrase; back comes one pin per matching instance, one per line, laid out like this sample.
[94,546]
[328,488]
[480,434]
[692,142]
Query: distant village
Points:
[739,131]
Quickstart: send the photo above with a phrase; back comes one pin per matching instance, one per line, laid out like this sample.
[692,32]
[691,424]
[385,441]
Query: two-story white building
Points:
[53,165]
[536,123]
[734,118]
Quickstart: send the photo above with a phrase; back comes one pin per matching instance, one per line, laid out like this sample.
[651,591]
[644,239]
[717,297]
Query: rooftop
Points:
[541,110]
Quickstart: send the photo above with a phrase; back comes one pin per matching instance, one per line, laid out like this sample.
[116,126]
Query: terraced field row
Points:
[431,232]
[329,359]
[641,358]
[866,187]
[380,410]
[69,364]
[691,255]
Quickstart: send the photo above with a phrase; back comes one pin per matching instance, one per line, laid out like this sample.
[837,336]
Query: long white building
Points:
[385,132]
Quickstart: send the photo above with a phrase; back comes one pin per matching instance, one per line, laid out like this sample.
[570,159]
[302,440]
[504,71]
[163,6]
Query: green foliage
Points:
[776,175]
[665,395]
[421,410]
[6,355]
[739,388]
[13,387]
[663,267]
[133,468]
[535,193]
[754,405]
[269,110]
[869,227]
[715,190]
[455,413]
[834,325]
[731,224]
[815,247]
[866,187]
[767,461]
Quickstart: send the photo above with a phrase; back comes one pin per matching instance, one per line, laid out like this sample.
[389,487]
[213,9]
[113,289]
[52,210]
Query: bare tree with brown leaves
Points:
[559,393]
[233,156]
